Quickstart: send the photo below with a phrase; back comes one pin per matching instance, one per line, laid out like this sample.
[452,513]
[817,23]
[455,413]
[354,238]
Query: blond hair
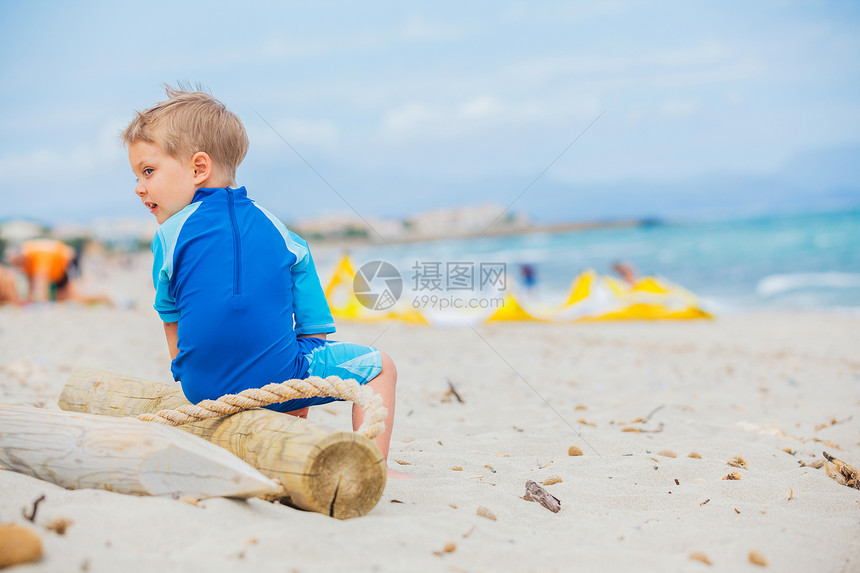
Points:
[188,122]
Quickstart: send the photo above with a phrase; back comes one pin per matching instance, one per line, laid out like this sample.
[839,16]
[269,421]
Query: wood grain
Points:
[337,473]
[123,455]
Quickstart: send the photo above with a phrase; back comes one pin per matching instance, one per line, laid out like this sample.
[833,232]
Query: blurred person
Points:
[8,286]
[51,268]
[529,276]
[626,271]
[45,263]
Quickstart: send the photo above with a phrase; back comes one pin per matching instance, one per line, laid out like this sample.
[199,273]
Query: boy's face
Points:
[164,184]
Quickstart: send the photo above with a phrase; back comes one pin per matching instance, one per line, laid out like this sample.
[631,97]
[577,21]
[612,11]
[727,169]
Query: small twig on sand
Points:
[656,430]
[654,411]
[32,515]
[452,390]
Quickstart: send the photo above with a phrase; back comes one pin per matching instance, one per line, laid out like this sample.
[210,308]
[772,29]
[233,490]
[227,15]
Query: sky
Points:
[564,111]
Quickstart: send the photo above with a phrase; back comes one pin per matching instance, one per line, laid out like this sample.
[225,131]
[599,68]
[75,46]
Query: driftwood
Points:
[534,492]
[122,455]
[337,473]
[843,473]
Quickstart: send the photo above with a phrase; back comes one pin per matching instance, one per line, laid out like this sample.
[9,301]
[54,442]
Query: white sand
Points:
[739,386]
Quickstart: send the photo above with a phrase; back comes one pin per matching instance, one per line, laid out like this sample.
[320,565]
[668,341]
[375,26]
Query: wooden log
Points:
[122,455]
[341,474]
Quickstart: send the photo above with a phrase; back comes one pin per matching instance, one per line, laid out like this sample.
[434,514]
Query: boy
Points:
[238,293]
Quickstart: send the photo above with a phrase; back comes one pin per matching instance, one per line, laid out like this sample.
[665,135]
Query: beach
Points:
[662,412]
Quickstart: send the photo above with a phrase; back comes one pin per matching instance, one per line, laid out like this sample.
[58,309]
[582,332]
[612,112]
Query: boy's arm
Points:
[171,333]
[164,302]
[312,313]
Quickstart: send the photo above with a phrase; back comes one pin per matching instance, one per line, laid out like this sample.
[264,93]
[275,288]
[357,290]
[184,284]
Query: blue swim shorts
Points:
[332,358]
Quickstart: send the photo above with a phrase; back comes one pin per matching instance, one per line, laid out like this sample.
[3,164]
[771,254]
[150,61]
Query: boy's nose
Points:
[139,190]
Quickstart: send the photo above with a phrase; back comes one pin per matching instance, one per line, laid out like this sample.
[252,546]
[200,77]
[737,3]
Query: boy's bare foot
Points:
[394,474]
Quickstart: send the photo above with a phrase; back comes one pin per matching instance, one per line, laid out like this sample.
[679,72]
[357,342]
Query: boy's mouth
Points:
[150,206]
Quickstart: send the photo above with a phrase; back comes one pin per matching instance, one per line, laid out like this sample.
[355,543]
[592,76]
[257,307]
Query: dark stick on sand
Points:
[454,391]
[32,516]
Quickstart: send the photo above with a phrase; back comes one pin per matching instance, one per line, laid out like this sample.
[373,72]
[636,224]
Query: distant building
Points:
[125,234]
[20,230]
[468,220]
[348,225]
[118,234]
[454,222]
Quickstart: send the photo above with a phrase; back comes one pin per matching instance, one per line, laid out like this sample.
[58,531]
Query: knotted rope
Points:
[331,387]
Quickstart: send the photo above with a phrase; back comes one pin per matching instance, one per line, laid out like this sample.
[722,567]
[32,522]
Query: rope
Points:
[331,387]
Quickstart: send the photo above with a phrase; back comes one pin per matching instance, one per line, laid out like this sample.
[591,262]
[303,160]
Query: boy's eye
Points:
[148,171]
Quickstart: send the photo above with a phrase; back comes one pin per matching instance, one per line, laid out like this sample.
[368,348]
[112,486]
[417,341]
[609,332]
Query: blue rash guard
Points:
[241,286]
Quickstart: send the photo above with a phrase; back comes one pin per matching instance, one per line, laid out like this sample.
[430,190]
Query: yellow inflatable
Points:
[580,288]
[343,303]
[591,298]
[650,298]
[339,293]
[511,309]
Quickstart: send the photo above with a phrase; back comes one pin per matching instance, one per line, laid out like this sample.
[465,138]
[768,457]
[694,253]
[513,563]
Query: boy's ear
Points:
[202,166]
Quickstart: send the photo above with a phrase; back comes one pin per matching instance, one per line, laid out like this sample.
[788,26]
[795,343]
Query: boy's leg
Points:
[348,360]
[384,384]
[302,413]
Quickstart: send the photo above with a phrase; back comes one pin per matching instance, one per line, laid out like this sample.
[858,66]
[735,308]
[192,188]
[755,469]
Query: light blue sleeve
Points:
[161,271]
[313,315]
[163,247]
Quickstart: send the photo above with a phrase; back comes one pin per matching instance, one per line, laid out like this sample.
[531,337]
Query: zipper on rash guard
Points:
[237,246]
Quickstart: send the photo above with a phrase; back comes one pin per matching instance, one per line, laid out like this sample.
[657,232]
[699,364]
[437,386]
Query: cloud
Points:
[22,124]
[547,91]
[419,29]
[627,68]
[300,133]
[475,115]
[414,120]
[570,12]
[670,108]
[58,163]
[276,48]
[678,108]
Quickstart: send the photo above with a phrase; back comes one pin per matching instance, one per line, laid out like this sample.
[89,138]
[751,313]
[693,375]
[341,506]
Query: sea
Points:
[781,262]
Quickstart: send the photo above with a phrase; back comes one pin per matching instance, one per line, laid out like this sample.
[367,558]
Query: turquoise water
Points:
[788,262]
